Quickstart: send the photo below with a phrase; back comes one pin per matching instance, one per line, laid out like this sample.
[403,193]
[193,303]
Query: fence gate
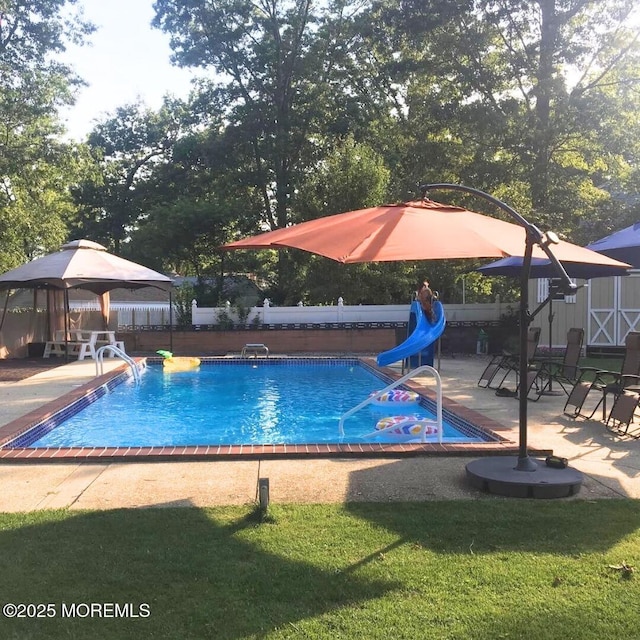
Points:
[614,309]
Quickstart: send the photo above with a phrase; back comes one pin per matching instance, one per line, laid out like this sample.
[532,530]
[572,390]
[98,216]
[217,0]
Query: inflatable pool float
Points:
[396,396]
[178,363]
[407,426]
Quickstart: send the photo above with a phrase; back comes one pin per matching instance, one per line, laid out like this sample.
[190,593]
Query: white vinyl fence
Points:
[156,314]
[341,313]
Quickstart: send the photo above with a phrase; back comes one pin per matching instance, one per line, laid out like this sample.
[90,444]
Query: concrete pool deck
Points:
[610,463]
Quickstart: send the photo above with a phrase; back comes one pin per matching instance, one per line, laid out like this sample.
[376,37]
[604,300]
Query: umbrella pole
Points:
[533,235]
[550,342]
[525,463]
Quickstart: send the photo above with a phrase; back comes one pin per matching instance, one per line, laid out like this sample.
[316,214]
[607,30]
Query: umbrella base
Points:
[498,475]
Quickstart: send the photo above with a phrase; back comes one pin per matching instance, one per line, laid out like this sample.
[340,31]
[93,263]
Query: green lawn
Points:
[604,364]
[483,569]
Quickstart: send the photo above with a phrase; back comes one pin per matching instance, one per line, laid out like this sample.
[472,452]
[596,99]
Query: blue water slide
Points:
[424,334]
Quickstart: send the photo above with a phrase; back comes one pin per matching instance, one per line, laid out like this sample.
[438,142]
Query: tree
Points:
[535,102]
[275,67]
[182,236]
[525,100]
[351,176]
[39,207]
[127,145]
[509,96]
[192,204]
[36,170]
[548,43]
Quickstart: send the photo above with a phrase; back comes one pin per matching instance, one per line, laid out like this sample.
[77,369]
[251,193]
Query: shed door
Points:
[614,309]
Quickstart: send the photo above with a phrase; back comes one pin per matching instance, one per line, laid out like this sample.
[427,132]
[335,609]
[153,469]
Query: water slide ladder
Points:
[121,354]
[412,374]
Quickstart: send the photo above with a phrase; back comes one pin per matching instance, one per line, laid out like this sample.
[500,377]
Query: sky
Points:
[127,60]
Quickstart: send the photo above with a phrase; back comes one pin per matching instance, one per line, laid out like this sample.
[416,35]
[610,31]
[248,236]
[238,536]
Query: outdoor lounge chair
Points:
[623,411]
[536,386]
[501,365]
[601,383]
[565,372]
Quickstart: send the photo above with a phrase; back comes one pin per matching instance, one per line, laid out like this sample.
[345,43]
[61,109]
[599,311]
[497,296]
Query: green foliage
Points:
[272,74]
[36,170]
[255,322]
[350,176]
[224,319]
[182,299]
[243,313]
[318,108]
[182,236]
[206,294]
[505,94]
[127,146]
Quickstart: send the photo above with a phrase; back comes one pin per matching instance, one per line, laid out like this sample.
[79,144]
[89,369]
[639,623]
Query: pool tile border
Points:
[79,397]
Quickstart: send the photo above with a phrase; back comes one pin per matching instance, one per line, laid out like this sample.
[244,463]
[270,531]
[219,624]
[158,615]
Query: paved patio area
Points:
[611,464]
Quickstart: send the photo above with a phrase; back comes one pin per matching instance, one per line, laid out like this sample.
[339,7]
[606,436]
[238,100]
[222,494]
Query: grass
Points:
[473,570]
[603,363]
[610,363]
[607,363]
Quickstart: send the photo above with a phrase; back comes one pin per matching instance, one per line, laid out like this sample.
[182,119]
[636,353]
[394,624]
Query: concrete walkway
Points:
[611,464]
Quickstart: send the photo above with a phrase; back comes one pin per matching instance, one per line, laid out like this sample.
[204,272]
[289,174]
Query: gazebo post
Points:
[67,324]
[170,321]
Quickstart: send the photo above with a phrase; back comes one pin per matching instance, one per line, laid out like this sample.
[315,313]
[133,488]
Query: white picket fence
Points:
[342,313]
[155,314]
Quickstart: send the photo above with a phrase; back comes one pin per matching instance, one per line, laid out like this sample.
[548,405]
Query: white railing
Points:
[135,372]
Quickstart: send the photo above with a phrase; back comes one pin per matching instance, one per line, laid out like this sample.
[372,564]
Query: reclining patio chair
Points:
[602,383]
[565,371]
[623,411]
[536,385]
[501,365]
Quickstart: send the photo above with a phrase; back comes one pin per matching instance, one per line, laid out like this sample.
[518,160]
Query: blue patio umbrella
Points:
[541,268]
[622,245]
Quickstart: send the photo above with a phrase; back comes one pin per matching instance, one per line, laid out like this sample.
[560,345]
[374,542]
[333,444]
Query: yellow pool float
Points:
[178,363]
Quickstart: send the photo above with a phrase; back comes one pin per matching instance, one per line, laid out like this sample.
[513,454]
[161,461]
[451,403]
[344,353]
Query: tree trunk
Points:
[542,142]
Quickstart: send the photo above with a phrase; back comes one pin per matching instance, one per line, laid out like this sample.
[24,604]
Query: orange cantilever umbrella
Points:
[428,230]
[419,230]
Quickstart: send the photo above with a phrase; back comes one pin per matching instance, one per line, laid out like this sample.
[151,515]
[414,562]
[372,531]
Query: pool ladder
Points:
[121,354]
[412,374]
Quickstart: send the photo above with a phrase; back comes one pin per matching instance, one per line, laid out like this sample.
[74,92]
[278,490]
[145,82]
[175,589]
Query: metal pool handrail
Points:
[423,369]
[121,354]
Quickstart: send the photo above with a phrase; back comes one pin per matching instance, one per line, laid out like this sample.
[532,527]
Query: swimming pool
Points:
[232,402]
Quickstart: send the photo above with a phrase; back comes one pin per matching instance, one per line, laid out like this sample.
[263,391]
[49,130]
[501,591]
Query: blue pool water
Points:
[239,403]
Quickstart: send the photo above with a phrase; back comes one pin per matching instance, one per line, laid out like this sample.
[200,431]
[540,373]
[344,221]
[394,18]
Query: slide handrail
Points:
[121,354]
[423,369]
